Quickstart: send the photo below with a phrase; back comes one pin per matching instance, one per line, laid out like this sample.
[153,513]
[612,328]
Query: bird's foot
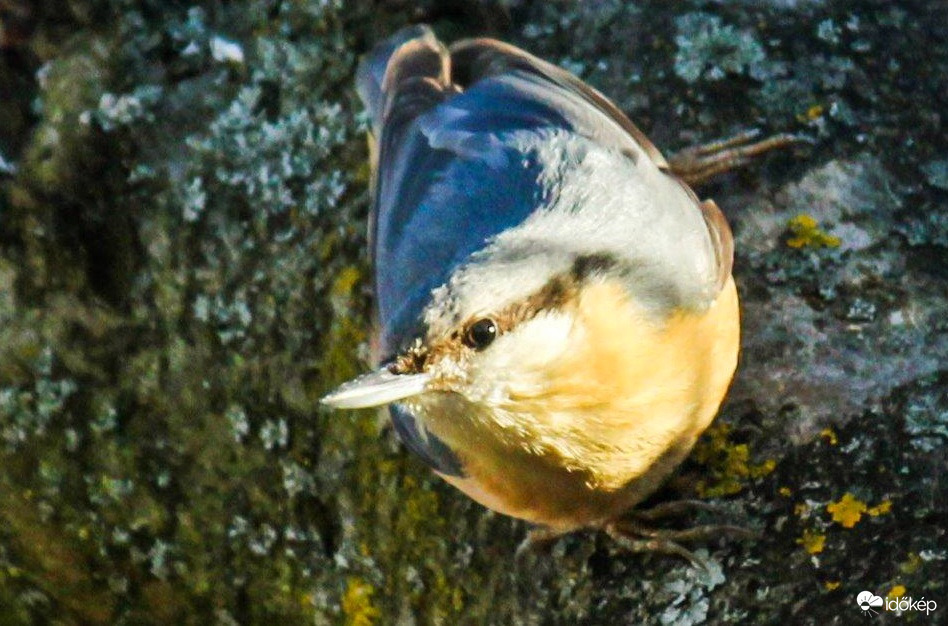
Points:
[632,541]
[633,532]
[698,164]
[636,538]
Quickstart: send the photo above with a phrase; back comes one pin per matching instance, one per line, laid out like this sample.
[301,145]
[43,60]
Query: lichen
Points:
[710,49]
[883,508]
[357,604]
[911,564]
[806,233]
[688,593]
[936,173]
[728,464]
[847,511]
[812,541]
[926,227]
[926,415]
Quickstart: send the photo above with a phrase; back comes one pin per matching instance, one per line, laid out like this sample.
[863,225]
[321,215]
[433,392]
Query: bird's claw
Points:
[700,163]
[635,535]
[631,541]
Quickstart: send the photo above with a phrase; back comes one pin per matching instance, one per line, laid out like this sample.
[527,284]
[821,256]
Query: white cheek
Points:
[518,358]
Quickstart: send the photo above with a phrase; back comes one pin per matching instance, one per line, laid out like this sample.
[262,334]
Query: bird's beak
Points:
[376,388]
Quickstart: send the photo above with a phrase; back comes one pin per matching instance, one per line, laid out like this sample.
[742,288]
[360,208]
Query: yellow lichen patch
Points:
[785,492]
[357,603]
[806,233]
[911,564]
[763,469]
[896,592]
[343,288]
[812,541]
[801,509]
[814,112]
[848,511]
[830,436]
[831,585]
[729,464]
[344,336]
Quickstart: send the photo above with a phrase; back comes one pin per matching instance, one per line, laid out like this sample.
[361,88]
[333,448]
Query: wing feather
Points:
[474,60]
[477,59]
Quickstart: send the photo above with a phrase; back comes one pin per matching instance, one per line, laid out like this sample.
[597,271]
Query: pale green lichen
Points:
[936,172]
[27,411]
[115,111]
[926,416]
[689,593]
[710,49]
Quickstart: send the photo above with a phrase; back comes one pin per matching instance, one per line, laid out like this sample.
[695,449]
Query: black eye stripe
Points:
[481,334]
[589,264]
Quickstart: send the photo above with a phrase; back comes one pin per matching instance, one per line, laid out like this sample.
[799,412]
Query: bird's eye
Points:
[481,334]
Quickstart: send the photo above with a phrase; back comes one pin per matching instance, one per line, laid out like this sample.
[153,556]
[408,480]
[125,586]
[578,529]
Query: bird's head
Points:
[493,330]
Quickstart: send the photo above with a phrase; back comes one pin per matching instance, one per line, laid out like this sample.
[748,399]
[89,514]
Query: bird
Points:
[557,320]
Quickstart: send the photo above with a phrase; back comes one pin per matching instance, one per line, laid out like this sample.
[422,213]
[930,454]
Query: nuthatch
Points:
[558,321]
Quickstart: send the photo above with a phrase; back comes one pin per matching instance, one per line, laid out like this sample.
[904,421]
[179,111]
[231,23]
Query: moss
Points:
[145,477]
[69,85]
[52,564]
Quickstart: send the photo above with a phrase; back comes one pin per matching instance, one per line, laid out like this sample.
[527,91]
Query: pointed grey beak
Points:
[375,389]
